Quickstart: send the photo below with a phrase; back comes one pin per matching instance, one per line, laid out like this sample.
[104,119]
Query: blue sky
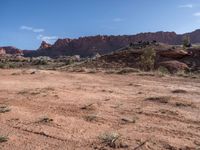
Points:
[25,23]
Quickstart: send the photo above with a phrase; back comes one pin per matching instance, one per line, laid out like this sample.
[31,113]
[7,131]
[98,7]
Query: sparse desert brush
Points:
[187,74]
[129,119]
[147,59]
[179,91]
[160,99]
[40,62]
[162,70]
[183,104]
[110,71]
[109,138]
[90,117]
[92,71]
[87,107]
[45,119]
[12,65]
[127,70]
[4,109]
[2,65]
[3,139]
[49,89]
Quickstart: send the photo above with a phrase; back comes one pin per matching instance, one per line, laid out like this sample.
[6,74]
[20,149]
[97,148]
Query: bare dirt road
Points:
[43,110]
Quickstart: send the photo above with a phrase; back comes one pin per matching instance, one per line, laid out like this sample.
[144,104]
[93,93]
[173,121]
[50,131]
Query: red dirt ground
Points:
[145,111]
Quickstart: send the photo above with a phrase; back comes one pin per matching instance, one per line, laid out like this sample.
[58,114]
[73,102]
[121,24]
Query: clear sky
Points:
[25,23]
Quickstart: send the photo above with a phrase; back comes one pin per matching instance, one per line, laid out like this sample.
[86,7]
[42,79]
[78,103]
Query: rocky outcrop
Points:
[174,66]
[45,45]
[173,53]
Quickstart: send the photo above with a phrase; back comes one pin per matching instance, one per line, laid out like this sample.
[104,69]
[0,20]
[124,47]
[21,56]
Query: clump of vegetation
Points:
[92,71]
[2,65]
[109,138]
[129,120]
[163,71]
[147,59]
[186,42]
[4,109]
[183,104]
[45,120]
[90,118]
[40,62]
[187,74]
[162,99]
[86,107]
[3,139]
[179,91]
[128,70]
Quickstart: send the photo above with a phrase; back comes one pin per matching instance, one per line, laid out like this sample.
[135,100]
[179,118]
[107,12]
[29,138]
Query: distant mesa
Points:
[89,46]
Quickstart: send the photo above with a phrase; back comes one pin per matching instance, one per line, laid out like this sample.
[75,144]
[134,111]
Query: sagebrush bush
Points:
[147,59]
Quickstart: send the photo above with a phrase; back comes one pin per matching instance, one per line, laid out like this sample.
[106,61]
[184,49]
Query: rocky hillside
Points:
[173,58]
[10,50]
[89,46]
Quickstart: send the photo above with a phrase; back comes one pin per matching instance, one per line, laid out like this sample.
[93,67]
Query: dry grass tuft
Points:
[179,91]
[3,139]
[45,120]
[161,99]
[90,118]
[4,109]
[109,138]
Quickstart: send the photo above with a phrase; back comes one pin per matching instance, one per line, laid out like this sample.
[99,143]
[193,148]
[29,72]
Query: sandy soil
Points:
[60,110]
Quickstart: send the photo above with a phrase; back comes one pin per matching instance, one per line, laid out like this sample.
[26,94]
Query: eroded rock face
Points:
[88,46]
[44,45]
[173,53]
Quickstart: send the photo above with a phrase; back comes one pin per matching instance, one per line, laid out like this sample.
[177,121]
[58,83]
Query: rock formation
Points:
[44,45]
[89,46]
[2,52]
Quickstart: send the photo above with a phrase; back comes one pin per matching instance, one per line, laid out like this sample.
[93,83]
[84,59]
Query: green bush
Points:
[186,42]
[163,70]
[40,62]
[147,59]
[2,65]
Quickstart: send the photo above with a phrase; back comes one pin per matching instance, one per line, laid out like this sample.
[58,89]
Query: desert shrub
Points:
[90,118]
[179,91]
[127,70]
[186,42]
[3,139]
[12,65]
[147,59]
[2,65]
[4,109]
[161,99]
[162,70]
[109,138]
[40,62]
[45,120]
[182,73]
